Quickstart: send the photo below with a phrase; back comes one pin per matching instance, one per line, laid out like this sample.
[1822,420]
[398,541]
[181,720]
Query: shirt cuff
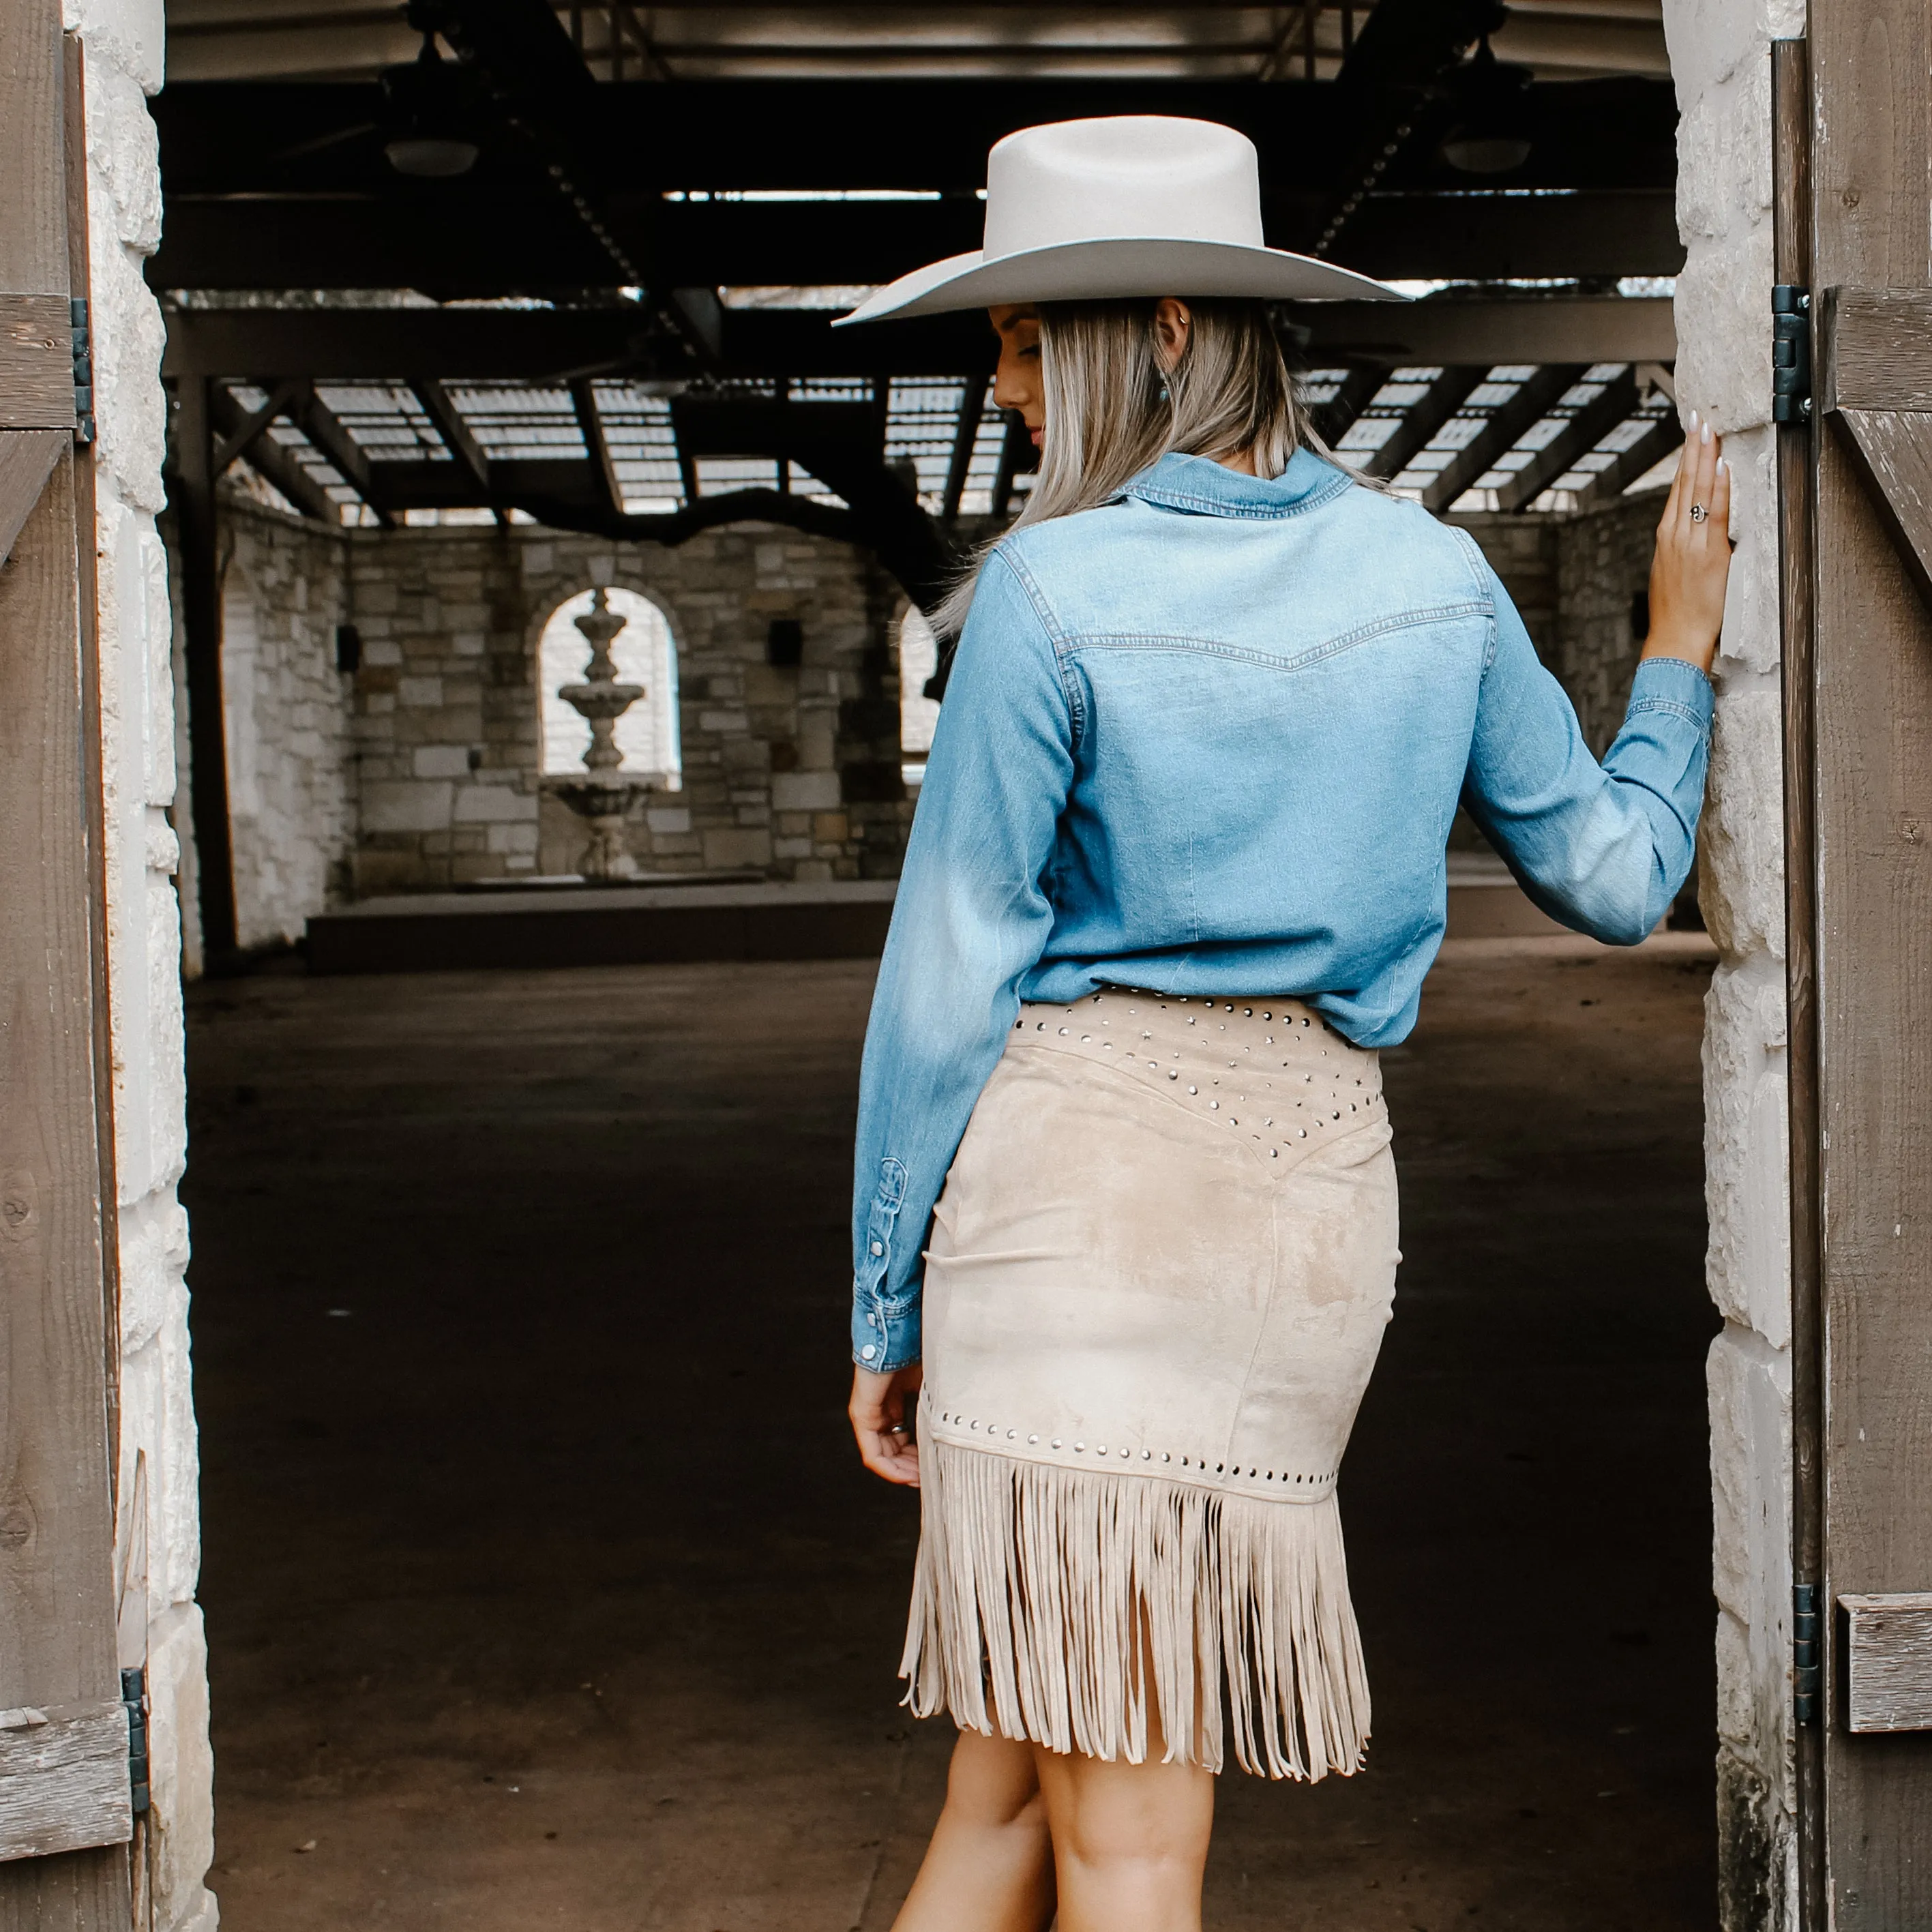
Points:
[883,1342]
[1673,684]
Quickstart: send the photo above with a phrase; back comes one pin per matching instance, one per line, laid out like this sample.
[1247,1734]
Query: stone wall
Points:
[158,1529]
[790,771]
[1602,597]
[1720,56]
[291,772]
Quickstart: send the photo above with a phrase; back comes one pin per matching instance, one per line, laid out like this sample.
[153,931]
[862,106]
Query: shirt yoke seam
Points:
[1155,640]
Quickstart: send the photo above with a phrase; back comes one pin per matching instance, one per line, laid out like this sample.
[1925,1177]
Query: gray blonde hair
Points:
[1111,409]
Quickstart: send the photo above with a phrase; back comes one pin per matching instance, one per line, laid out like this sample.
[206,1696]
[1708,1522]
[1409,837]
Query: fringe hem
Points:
[1051,1603]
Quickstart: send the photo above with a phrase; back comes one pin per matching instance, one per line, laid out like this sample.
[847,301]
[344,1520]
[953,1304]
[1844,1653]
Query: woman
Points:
[1125,1216]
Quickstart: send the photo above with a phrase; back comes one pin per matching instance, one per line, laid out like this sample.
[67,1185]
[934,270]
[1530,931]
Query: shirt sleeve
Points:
[1603,848]
[970,916]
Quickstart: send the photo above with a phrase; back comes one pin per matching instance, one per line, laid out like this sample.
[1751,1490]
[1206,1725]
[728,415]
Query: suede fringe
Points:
[1044,1595]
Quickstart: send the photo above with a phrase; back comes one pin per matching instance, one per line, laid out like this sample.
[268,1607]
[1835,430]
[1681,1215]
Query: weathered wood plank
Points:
[1887,1646]
[1876,349]
[33,223]
[36,363]
[63,1779]
[27,460]
[1872,181]
[1893,450]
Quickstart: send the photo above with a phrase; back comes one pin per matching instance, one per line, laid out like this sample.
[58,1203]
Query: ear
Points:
[1172,325]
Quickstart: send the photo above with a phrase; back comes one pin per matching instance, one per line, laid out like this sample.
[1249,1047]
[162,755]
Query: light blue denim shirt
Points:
[1209,739]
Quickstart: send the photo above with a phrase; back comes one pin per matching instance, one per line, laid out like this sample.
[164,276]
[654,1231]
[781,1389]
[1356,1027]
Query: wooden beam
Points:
[1358,389]
[324,428]
[255,423]
[965,435]
[27,460]
[1532,402]
[1893,451]
[549,344]
[596,446]
[1447,391]
[1649,449]
[272,460]
[191,496]
[465,451]
[36,363]
[1581,434]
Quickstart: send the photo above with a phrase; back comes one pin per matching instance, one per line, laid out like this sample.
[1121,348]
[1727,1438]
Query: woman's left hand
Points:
[881,1409]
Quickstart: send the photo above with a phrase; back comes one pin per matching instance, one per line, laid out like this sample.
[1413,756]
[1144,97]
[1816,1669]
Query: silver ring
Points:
[1698,513]
[897,1429]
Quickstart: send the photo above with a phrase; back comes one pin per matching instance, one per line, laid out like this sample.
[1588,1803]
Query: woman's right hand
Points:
[881,1409]
[1693,562]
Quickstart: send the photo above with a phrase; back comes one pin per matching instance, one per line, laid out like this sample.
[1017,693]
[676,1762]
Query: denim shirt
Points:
[1208,739]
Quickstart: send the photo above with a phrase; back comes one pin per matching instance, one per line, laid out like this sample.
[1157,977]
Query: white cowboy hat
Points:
[1133,204]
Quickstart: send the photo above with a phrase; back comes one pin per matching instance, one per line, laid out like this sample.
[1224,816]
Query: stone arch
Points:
[646,652]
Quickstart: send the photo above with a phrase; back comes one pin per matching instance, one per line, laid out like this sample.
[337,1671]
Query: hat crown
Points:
[1128,175]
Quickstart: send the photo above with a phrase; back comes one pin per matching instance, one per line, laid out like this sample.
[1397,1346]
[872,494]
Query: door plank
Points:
[1872,179]
[1893,450]
[63,1779]
[36,363]
[1888,1661]
[27,459]
[1875,349]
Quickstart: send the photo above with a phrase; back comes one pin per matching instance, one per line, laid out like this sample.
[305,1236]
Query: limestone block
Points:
[440,761]
[1749,1386]
[668,818]
[124,157]
[726,849]
[791,848]
[420,694]
[1746,1148]
[508,839]
[1757,1862]
[1722,307]
[390,807]
[182,1822]
[1751,640]
[804,791]
[476,804]
[723,724]
[129,407]
[1741,840]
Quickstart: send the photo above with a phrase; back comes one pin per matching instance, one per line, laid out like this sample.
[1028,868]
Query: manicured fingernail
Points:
[1723,465]
[1695,418]
[1705,432]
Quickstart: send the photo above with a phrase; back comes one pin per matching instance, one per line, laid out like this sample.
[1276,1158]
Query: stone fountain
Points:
[603,797]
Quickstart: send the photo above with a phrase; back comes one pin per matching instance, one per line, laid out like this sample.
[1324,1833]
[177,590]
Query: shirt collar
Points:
[1207,488]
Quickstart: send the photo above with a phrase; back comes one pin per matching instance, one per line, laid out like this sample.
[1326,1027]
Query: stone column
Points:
[158,1476]
[1720,56]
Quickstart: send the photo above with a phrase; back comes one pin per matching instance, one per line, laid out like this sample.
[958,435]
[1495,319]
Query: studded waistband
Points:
[1272,1071]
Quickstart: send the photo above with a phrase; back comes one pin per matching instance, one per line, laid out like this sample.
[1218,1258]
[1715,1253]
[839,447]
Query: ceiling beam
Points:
[465,451]
[255,423]
[449,345]
[1649,450]
[1533,400]
[596,445]
[1616,400]
[234,137]
[476,245]
[1357,390]
[965,435]
[273,462]
[320,424]
[1450,388]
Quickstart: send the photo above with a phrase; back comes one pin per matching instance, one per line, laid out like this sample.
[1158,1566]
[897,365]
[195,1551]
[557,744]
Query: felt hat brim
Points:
[1111,265]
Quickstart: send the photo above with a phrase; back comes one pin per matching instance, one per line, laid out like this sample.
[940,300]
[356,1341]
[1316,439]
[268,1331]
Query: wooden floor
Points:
[543,1588]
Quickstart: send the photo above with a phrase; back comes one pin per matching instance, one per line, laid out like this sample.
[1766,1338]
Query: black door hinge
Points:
[83,370]
[1790,353]
[1807,1668]
[134,1695]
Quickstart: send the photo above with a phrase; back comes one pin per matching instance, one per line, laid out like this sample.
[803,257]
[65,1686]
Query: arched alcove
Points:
[919,658]
[645,653]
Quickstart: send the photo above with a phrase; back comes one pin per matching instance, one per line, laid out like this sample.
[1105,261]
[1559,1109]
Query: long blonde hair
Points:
[1111,409]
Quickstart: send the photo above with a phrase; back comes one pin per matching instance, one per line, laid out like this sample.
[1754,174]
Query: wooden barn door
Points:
[1858,469]
[65,1730]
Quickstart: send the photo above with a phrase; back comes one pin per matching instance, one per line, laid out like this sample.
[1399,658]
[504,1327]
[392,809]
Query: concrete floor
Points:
[543,1587]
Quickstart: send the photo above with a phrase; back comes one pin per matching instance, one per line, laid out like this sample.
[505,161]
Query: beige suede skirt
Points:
[1158,1278]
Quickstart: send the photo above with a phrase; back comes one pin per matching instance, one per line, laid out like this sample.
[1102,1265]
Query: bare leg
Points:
[1130,1840]
[989,1868]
